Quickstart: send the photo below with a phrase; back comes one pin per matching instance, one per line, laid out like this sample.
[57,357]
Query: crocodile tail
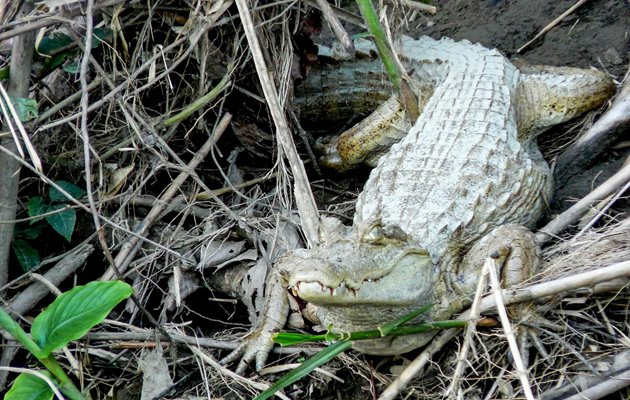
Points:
[547,96]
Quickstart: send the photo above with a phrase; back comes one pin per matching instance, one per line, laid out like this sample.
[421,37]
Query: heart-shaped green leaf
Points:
[75,312]
[30,387]
[27,255]
[73,190]
[62,222]
[36,207]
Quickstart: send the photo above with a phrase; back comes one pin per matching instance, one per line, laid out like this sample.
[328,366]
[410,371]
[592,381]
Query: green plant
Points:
[58,49]
[58,215]
[68,318]
[343,341]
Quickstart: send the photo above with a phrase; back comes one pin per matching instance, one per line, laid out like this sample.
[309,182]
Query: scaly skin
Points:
[545,96]
[462,183]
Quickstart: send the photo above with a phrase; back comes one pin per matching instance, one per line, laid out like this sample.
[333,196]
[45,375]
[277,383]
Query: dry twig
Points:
[553,23]
[307,208]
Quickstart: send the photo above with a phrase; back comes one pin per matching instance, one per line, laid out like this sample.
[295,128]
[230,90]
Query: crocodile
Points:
[465,180]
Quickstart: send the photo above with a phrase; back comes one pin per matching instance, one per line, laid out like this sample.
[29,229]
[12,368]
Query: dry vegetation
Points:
[180,197]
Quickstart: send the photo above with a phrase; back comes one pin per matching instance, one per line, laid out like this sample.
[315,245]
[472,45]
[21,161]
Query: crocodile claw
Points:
[255,346]
[258,344]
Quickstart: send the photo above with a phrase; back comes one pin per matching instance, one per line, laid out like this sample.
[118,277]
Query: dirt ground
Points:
[596,34]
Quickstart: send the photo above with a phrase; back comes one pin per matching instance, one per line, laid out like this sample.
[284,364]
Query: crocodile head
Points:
[381,268]
[359,282]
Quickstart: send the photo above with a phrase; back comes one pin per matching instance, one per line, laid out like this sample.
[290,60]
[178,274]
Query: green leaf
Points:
[26,231]
[72,68]
[75,312]
[26,108]
[73,190]
[103,34]
[306,367]
[27,255]
[63,222]
[4,73]
[53,43]
[30,387]
[35,207]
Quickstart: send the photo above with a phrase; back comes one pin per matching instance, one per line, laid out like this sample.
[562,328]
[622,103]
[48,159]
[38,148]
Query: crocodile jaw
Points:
[364,274]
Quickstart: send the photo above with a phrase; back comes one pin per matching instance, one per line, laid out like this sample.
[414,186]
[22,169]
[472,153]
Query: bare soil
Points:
[596,34]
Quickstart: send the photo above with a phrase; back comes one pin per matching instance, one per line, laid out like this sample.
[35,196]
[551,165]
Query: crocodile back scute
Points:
[461,165]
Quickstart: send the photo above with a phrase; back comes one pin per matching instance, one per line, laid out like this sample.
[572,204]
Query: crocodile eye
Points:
[396,233]
[374,235]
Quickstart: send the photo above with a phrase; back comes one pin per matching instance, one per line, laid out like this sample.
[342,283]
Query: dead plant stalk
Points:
[307,209]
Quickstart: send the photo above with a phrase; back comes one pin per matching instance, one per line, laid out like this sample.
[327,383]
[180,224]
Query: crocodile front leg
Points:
[517,245]
[258,343]
[521,262]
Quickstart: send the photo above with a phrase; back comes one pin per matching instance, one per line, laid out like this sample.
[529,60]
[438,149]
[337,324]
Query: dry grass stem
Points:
[13,121]
[553,23]
[602,208]
[521,370]
[453,390]
[234,376]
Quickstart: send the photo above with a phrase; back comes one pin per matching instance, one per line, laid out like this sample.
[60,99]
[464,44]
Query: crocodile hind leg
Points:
[366,141]
[546,96]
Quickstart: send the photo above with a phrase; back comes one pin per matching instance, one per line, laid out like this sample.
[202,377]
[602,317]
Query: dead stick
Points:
[553,23]
[340,33]
[425,8]
[128,247]
[307,208]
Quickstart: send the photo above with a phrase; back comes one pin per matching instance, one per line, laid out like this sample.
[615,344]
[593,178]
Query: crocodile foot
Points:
[515,246]
[259,342]
[255,346]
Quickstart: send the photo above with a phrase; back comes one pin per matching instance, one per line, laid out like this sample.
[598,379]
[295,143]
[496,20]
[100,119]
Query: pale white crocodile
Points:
[465,180]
